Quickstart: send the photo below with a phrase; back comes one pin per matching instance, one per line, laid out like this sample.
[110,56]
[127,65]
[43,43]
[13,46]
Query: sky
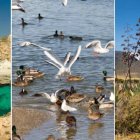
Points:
[127,12]
[5,17]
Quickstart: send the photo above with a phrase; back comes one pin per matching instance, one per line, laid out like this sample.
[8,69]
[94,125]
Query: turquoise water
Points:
[5,99]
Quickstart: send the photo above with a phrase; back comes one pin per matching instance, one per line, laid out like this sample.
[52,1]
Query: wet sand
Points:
[5,127]
[25,119]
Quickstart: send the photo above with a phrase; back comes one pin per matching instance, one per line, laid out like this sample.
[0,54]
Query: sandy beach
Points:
[25,119]
[5,127]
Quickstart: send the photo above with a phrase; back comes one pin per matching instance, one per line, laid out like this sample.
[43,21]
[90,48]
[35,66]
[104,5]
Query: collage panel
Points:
[5,70]
[127,65]
[63,69]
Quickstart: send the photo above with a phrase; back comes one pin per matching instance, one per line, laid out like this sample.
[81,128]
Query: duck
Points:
[97,47]
[61,35]
[23,92]
[15,136]
[98,88]
[18,7]
[103,104]
[21,83]
[71,120]
[94,115]
[51,137]
[107,78]
[23,23]
[76,38]
[72,78]
[112,97]
[67,108]
[40,17]
[56,34]
[75,98]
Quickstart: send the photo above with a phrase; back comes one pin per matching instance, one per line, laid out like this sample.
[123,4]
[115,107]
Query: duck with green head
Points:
[107,78]
[15,136]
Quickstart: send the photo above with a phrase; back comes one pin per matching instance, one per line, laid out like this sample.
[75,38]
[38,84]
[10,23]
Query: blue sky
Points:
[5,17]
[127,12]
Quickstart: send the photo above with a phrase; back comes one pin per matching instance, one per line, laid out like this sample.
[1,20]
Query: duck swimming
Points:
[107,78]
[23,92]
[40,17]
[72,78]
[71,121]
[23,23]
[94,115]
[98,88]
[97,48]
[76,38]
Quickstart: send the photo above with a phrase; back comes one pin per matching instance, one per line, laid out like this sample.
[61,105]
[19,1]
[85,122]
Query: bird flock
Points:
[67,100]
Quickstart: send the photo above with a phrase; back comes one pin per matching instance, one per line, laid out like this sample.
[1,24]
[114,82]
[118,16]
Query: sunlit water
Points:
[90,19]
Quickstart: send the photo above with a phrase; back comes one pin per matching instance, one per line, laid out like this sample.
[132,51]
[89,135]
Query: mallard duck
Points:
[75,98]
[107,78]
[71,121]
[99,88]
[23,92]
[34,73]
[21,83]
[94,115]
[15,136]
[74,78]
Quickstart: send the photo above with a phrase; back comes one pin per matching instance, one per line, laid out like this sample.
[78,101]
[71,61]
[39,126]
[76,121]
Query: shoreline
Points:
[26,119]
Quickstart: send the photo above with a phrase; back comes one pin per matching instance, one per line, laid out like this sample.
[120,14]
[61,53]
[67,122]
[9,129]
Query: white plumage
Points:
[97,48]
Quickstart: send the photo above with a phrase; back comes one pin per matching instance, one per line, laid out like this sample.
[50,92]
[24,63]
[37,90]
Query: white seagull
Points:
[26,43]
[17,7]
[63,69]
[112,97]
[64,2]
[52,97]
[97,48]
[66,108]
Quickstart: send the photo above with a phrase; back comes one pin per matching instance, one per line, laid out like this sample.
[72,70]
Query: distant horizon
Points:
[126,13]
[5,18]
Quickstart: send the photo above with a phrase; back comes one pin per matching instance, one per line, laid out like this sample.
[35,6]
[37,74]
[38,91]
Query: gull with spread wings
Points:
[97,47]
[63,68]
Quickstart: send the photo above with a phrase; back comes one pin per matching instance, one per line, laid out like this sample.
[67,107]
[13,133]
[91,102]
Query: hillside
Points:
[121,69]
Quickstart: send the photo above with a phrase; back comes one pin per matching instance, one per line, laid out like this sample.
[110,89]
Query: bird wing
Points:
[64,2]
[67,58]
[110,45]
[75,57]
[94,43]
[52,64]
[50,56]
[71,108]
[47,49]
[26,43]
[46,95]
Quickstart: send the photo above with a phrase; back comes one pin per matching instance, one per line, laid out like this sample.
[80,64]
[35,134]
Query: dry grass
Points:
[128,137]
